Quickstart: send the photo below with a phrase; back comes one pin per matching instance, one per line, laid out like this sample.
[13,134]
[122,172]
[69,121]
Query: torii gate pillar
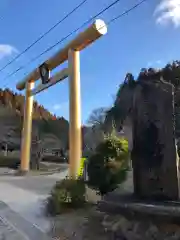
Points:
[75,142]
[27,129]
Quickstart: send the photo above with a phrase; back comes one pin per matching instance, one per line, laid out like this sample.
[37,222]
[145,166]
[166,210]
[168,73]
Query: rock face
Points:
[154,152]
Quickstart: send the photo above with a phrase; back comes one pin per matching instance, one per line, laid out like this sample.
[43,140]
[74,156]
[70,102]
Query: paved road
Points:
[22,201]
[41,185]
[21,205]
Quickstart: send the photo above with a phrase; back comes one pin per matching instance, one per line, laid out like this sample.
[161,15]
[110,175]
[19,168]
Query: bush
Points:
[108,166]
[66,194]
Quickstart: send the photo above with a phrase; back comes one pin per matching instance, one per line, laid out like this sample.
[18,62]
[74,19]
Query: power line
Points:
[126,12]
[63,39]
[74,31]
[44,34]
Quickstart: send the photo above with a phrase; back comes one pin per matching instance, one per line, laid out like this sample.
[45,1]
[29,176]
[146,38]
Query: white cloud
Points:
[158,61]
[168,11]
[56,106]
[60,106]
[154,63]
[7,50]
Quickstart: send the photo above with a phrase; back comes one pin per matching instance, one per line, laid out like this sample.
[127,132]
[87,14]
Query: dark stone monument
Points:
[149,103]
[154,159]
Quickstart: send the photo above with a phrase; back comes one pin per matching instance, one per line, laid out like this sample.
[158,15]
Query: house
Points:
[50,144]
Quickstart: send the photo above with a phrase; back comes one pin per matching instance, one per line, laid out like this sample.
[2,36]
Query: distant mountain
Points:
[11,120]
[16,102]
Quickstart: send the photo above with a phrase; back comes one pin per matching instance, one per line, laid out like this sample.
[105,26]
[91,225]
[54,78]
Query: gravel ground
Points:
[84,224]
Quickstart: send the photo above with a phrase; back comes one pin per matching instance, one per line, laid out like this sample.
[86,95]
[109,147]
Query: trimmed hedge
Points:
[13,162]
[10,162]
[54,159]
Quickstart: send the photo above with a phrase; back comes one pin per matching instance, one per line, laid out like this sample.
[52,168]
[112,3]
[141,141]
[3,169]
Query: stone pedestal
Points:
[155,166]
[129,218]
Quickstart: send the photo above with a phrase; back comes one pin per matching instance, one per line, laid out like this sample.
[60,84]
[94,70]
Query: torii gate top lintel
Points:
[92,33]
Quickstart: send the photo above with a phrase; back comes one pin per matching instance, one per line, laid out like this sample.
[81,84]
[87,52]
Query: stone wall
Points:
[91,224]
[120,227]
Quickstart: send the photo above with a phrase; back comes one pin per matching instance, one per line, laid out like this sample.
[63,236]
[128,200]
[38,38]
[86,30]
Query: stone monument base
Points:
[129,218]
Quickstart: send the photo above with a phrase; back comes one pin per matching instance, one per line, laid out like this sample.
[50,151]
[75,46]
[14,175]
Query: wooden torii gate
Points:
[71,53]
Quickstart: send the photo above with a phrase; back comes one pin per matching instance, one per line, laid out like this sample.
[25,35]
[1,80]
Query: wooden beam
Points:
[53,80]
[92,33]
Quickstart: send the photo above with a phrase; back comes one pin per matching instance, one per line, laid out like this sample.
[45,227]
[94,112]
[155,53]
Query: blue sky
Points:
[148,36]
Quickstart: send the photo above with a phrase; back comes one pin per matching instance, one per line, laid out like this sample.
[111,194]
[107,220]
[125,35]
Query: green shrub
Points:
[66,194]
[108,166]
[114,148]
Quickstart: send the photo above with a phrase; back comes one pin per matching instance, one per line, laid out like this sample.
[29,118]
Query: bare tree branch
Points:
[97,117]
